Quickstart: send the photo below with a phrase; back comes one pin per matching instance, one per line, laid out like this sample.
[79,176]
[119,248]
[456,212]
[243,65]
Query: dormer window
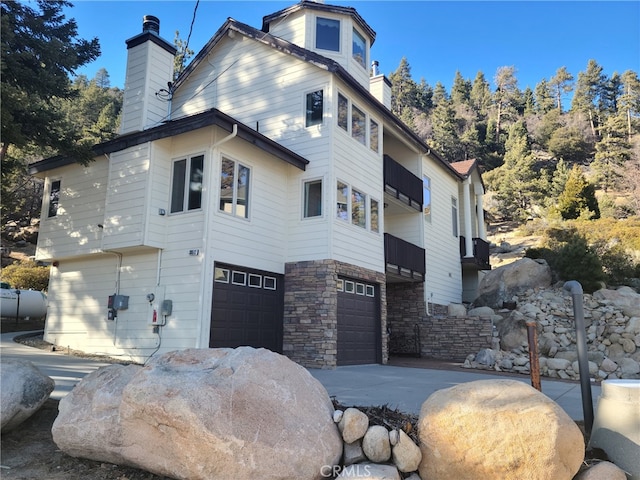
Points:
[328,34]
[359,48]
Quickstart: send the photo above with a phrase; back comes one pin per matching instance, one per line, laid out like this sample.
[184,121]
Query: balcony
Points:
[480,259]
[405,262]
[402,185]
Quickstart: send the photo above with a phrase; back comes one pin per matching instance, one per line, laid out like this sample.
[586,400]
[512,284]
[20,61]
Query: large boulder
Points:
[624,298]
[512,331]
[204,414]
[23,390]
[502,429]
[503,283]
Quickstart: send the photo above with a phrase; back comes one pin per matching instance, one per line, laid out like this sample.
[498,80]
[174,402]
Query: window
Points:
[373,136]
[454,215]
[358,126]
[314,109]
[313,199]
[239,278]
[343,112]
[221,275]
[328,34]
[375,225]
[359,48]
[186,188]
[358,209]
[342,196]
[234,188]
[54,198]
[426,194]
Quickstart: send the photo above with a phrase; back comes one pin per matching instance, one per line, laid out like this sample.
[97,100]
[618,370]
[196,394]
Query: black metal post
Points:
[575,289]
[17,305]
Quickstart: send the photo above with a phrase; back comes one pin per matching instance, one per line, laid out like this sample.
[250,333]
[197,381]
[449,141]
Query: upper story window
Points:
[314,108]
[454,215]
[359,48]
[54,198]
[426,197]
[343,112]
[373,136]
[234,188]
[312,199]
[328,34]
[186,186]
[358,125]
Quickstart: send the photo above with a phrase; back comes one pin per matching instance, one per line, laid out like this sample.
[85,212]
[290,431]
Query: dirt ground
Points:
[29,453]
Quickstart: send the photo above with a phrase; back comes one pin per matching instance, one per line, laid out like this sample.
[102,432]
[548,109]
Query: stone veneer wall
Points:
[452,338]
[311,310]
[405,308]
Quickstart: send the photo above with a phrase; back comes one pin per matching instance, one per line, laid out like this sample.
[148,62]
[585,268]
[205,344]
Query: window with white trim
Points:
[54,198]
[328,34]
[314,108]
[234,188]
[312,199]
[358,125]
[343,112]
[373,136]
[359,48]
[454,215]
[426,197]
[186,184]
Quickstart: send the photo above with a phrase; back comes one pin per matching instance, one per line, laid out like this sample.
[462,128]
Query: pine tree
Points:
[444,137]
[612,151]
[577,197]
[629,104]
[544,97]
[480,95]
[506,96]
[589,89]
[561,83]
[460,90]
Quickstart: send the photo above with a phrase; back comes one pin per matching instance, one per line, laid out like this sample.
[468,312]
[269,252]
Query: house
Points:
[266,197]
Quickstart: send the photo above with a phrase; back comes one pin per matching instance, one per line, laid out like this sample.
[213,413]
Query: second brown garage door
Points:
[358,323]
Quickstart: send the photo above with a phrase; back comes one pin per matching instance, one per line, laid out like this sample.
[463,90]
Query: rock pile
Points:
[612,322]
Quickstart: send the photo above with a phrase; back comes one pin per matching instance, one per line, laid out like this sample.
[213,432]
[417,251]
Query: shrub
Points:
[576,260]
[26,275]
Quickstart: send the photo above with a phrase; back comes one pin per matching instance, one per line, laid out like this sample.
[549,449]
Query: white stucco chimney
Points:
[149,70]
[379,85]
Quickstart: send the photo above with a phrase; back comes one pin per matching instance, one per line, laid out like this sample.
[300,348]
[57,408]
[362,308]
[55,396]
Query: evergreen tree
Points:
[444,137]
[506,96]
[559,178]
[629,104]
[589,89]
[517,186]
[440,94]
[569,144]
[612,151]
[577,197]
[403,92]
[544,97]
[183,54]
[460,90]
[561,83]
[480,95]
[529,101]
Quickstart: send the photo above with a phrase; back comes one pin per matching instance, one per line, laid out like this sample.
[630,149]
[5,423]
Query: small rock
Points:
[353,425]
[353,453]
[406,454]
[337,416]
[376,444]
[602,471]
[370,471]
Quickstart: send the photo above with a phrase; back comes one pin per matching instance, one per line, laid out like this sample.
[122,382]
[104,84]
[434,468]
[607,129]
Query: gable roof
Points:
[177,127]
[466,167]
[319,61]
[311,5]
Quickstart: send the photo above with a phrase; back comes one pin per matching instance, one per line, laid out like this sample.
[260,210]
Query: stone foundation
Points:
[311,310]
[405,308]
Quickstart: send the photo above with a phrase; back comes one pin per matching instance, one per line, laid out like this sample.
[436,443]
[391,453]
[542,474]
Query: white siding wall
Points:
[126,204]
[149,68]
[74,230]
[444,274]
[291,28]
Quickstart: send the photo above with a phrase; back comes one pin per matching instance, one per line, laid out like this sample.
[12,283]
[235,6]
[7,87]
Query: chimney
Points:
[379,85]
[149,70]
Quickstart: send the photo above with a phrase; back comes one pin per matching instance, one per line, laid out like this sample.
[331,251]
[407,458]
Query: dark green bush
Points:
[26,275]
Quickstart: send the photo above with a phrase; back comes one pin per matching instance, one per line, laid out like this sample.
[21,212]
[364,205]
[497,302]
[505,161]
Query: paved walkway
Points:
[401,387]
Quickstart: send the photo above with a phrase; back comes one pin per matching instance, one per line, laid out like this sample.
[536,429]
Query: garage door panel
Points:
[246,313]
[358,324]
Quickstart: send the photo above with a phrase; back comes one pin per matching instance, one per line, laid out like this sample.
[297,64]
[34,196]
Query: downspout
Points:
[232,135]
[468,237]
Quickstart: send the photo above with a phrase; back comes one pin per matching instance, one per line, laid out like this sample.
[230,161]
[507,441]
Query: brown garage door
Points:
[358,323]
[248,308]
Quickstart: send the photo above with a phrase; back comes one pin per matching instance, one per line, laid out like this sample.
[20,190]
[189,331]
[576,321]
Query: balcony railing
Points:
[402,184]
[403,259]
[480,258]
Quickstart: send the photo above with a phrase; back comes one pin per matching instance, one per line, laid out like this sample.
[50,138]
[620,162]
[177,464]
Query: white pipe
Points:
[233,133]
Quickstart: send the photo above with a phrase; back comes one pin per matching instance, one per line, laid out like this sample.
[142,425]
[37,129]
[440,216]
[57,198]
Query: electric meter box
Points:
[120,302]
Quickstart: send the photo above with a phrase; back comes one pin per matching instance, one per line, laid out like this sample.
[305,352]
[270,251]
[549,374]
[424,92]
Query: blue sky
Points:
[436,37]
